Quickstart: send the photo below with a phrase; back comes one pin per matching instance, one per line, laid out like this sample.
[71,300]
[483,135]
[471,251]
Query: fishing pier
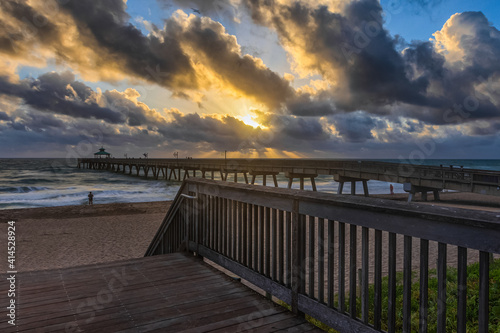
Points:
[417,179]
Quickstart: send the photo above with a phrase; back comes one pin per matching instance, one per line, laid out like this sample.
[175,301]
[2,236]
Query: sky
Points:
[398,79]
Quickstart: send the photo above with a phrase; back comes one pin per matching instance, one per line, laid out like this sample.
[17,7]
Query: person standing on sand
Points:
[392,189]
[91,198]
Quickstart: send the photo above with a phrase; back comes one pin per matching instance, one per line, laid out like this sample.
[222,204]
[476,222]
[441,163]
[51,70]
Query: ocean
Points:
[28,183]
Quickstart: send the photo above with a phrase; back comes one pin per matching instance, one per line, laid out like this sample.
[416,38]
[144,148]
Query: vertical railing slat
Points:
[377,308]
[392,284]
[273,251]
[295,247]
[289,257]
[302,253]
[321,260]
[424,285]
[211,226]
[256,235]
[441,301]
[267,236]
[218,219]
[281,260]
[225,235]
[462,290]
[206,221]
[244,239]
[261,240]
[214,223]
[341,274]
[310,253]
[234,229]
[239,228]
[365,297]
[250,243]
[331,263]
[352,270]
[484,283]
[407,284]
[229,228]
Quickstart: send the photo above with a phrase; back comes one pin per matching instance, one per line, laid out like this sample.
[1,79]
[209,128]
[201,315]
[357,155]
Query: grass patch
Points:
[451,302]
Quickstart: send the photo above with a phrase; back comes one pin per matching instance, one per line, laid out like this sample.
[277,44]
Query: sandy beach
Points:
[56,237]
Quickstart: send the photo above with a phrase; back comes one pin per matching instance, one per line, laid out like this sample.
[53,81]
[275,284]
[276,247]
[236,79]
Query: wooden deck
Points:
[165,293]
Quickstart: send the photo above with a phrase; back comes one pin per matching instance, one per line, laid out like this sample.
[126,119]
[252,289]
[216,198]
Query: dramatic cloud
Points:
[57,105]
[4,116]
[354,85]
[59,93]
[355,127]
[188,54]
[157,58]
[350,49]
[219,54]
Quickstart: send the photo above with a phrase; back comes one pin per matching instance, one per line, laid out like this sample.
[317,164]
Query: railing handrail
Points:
[299,163]
[369,203]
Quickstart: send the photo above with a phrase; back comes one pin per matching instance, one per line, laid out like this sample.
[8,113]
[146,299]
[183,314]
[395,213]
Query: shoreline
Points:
[451,199]
[72,211]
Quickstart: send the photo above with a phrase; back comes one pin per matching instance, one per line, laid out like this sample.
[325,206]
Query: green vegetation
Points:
[451,301]
[451,305]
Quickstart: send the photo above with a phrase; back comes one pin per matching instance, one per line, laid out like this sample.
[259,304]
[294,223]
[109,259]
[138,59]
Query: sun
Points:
[250,121]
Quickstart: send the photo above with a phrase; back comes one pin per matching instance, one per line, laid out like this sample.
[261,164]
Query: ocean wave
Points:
[21,189]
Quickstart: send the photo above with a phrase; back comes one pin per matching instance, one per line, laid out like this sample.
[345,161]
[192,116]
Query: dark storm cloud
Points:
[491,129]
[351,47]
[36,122]
[158,60]
[422,60]
[457,82]
[59,93]
[226,132]
[288,127]
[50,93]
[355,127]
[4,116]
[32,24]
[305,105]
[374,71]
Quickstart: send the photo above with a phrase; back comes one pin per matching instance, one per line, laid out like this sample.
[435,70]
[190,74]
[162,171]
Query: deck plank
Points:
[174,292]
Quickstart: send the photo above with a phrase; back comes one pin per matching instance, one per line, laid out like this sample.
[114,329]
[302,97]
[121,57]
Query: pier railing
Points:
[437,177]
[323,253]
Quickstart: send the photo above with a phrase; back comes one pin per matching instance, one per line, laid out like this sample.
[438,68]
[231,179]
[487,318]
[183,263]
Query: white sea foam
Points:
[51,182]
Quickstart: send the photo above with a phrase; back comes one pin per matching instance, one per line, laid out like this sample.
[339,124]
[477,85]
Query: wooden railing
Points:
[320,252]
